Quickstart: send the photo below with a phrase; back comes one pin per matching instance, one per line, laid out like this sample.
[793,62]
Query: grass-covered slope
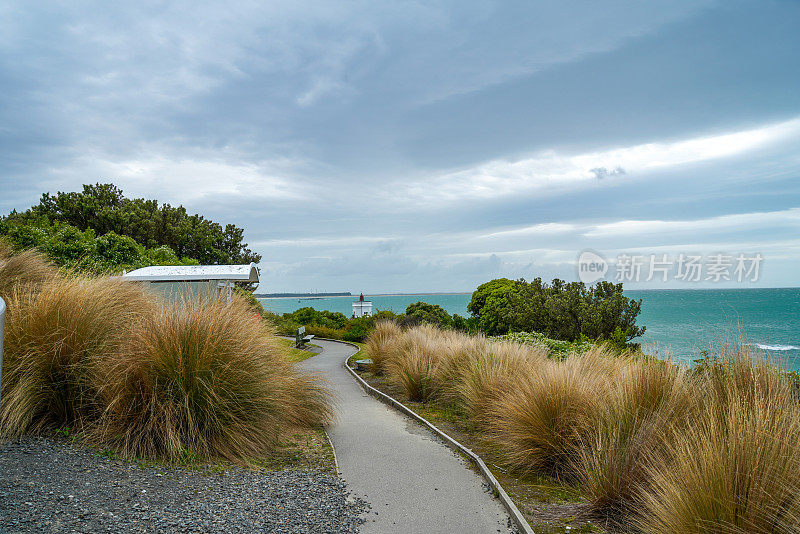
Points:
[652,446]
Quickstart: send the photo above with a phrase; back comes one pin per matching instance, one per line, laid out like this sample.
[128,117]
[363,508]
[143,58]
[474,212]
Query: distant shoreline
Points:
[340,295]
[300,295]
[417,294]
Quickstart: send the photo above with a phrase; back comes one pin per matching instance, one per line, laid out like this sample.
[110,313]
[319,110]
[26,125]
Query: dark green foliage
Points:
[67,246]
[465,324]
[492,306]
[430,313]
[102,208]
[328,324]
[309,316]
[561,310]
[358,329]
[117,249]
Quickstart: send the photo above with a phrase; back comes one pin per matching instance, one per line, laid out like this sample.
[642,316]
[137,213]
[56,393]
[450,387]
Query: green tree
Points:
[114,249]
[103,208]
[560,310]
[430,313]
[495,305]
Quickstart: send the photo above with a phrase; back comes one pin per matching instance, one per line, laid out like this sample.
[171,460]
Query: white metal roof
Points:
[185,273]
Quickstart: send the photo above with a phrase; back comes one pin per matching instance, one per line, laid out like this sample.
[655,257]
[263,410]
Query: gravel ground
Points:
[48,485]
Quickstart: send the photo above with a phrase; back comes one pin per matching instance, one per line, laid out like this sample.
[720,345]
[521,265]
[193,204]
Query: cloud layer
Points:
[417,147]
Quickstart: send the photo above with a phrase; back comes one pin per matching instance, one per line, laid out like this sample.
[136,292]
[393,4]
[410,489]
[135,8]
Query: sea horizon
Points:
[289,294]
[681,322]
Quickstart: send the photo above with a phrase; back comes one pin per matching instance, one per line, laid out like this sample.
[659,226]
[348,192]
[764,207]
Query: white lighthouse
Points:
[361,307]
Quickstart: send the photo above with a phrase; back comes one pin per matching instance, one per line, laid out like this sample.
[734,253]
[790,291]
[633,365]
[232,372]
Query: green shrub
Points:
[557,348]
[565,311]
[324,331]
[430,313]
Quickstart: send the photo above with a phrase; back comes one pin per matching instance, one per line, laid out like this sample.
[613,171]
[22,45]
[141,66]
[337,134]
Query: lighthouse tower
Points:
[361,307]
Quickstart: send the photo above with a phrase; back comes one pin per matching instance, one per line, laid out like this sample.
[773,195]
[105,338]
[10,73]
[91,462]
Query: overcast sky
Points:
[422,146]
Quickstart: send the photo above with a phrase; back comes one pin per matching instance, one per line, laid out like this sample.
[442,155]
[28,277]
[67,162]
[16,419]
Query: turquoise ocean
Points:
[681,322]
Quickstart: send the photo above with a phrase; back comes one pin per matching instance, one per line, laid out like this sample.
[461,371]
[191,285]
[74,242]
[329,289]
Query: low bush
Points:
[557,348]
[204,377]
[323,331]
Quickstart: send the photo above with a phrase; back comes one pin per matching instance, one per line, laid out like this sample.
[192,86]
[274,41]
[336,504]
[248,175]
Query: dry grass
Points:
[24,269]
[377,344]
[654,447]
[647,404]
[205,377]
[736,467]
[488,373]
[56,335]
[540,423]
[412,362]
[199,379]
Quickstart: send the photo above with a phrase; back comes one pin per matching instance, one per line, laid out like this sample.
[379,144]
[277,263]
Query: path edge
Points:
[511,508]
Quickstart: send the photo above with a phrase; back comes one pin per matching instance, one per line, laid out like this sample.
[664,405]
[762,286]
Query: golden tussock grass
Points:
[144,378]
[412,361]
[56,335]
[488,373]
[23,269]
[205,377]
[654,447]
[378,342]
[736,466]
[645,406]
[540,422]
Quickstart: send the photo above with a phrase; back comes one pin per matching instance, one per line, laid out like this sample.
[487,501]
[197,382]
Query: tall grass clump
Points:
[205,378]
[736,467]
[57,333]
[539,424]
[412,362]
[379,341]
[648,404]
[23,269]
[487,371]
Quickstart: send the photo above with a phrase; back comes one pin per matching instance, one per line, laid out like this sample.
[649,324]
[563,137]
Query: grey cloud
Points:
[602,172]
[314,117]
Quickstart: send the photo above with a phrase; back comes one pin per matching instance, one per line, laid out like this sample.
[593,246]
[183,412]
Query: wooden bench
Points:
[301,338]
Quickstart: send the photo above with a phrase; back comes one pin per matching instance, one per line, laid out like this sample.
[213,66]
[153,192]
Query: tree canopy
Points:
[100,228]
[429,313]
[560,310]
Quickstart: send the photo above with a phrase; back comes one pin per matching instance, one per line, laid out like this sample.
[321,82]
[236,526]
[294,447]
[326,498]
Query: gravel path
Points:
[47,485]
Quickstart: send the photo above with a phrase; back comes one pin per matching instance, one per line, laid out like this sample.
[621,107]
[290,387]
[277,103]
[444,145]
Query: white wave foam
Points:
[763,346]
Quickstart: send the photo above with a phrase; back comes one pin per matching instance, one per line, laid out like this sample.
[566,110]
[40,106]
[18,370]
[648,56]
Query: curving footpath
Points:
[414,483]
